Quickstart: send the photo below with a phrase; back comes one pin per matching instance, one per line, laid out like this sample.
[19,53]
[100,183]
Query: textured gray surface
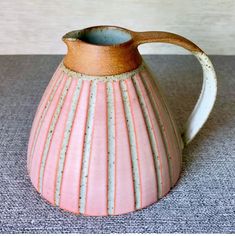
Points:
[202,201]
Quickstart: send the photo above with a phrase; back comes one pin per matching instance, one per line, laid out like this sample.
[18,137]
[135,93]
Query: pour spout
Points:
[101,50]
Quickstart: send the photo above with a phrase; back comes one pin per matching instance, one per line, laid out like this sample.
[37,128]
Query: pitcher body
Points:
[103,141]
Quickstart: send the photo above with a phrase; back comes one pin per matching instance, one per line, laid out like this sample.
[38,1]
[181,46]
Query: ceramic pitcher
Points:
[103,141]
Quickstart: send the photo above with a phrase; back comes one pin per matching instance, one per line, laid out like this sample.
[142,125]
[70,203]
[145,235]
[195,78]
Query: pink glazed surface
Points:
[153,127]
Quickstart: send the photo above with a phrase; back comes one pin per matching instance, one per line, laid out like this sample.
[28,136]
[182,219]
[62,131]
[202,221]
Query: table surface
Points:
[203,200]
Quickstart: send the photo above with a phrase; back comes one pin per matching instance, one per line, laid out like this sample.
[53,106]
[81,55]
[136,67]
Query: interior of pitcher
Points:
[100,35]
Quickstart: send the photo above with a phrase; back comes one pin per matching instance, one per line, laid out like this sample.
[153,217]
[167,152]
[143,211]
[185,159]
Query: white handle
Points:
[206,99]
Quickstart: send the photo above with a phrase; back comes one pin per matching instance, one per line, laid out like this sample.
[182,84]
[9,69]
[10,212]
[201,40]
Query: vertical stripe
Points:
[133,145]
[70,186]
[111,147]
[87,145]
[124,184]
[42,103]
[37,157]
[164,102]
[51,166]
[42,119]
[66,138]
[51,131]
[164,137]
[153,140]
[97,180]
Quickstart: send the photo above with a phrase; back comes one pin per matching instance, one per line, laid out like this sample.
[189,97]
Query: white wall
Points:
[36,26]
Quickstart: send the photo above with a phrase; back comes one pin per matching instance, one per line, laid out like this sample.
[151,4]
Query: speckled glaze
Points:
[108,144]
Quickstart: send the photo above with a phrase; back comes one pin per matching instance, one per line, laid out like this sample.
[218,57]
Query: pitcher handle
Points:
[207,96]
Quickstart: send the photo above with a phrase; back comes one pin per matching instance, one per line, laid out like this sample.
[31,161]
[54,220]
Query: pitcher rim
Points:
[68,36]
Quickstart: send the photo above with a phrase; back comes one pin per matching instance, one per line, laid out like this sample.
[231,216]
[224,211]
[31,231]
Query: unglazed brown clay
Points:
[118,58]
[103,141]
[113,59]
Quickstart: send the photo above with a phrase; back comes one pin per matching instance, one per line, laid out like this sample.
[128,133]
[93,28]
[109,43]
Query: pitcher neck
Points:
[101,51]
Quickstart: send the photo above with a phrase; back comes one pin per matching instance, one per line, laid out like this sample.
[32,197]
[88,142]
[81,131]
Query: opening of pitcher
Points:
[101,35]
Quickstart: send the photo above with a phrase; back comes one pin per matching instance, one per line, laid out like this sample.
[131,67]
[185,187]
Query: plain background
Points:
[36,27]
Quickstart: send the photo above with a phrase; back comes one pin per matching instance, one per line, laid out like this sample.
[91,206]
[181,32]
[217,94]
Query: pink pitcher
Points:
[103,141]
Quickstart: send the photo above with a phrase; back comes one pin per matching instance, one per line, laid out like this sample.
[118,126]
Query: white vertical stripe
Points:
[162,128]
[51,131]
[42,117]
[152,138]
[133,146]
[67,133]
[48,89]
[87,145]
[111,147]
[179,140]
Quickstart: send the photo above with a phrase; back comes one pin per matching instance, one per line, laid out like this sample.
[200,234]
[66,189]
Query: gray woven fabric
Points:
[203,200]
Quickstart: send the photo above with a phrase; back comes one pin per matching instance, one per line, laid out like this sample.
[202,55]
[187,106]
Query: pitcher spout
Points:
[101,50]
